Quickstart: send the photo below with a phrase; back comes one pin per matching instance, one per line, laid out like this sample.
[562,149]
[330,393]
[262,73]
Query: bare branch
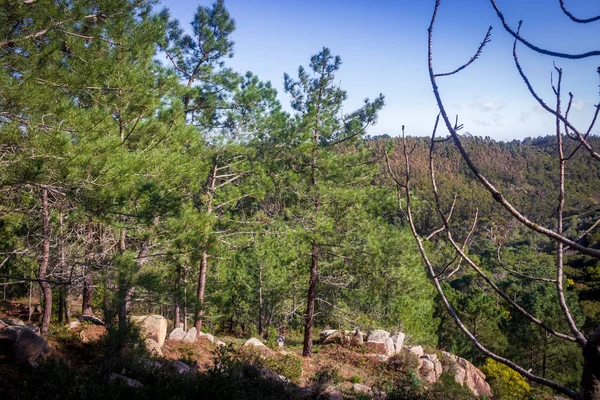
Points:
[540,50]
[574,18]
[485,41]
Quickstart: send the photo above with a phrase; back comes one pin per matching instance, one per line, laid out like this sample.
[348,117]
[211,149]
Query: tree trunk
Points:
[590,380]
[200,292]
[212,179]
[260,300]
[177,308]
[86,304]
[310,304]
[45,286]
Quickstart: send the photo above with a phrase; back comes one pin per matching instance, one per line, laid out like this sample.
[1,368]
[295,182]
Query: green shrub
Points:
[287,365]
[271,337]
[324,377]
[506,383]
[355,379]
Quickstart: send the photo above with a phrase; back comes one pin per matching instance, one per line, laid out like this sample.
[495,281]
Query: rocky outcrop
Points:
[206,336]
[125,380]
[92,319]
[153,347]
[9,321]
[190,336]
[431,368]
[254,342]
[26,346]
[398,340]
[466,373]
[181,367]
[153,327]
[177,335]
[330,336]
[378,336]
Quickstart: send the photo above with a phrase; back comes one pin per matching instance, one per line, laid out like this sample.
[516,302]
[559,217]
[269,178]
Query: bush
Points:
[323,378]
[271,337]
[355,379]
[506,383]
[287,365]
[404,362]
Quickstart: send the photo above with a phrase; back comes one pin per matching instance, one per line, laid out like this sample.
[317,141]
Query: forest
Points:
[140,174]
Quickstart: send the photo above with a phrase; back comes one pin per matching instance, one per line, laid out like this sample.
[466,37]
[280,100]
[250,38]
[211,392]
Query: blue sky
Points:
[383,45]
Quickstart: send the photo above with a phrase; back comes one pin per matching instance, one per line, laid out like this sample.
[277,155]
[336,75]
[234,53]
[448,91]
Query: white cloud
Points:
[487,105]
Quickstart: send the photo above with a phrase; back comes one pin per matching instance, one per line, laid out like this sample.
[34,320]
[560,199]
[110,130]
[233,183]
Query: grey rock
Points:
[207,336]
[149,364]
[26,345]
[177,335]
[12,321]
[181,367]
[153,347]
[378,336]
[92,319]
[390,350]
[74,325]
[154,327]
[417,350]
[190,336]
[125,380]
[254,342]
[330,336]
[357,387]
[398,339]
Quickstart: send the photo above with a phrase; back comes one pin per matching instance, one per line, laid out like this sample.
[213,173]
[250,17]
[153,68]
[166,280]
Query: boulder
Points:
[12,321]
[207,336]
[92,319]
[357,338]
[378,336]
[125,380]
[417,350]
[220,343]
[427,371]
[379,357]
[177,335]
[34,328]
[26,345]
[181,367]
[431,368]
[3,325]
[190,336]
[149,364]
[254,342]
[330,336]
[390,350]
[153,347]
[153,326]
[74,325]
[398,339]
[466,373]
[358,388]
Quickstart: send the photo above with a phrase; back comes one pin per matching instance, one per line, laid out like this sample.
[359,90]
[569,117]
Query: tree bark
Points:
[200,292]
[212,180]
[177,308]
[86,304]
[590,380]
[310,304]
[45,286]
[260,300]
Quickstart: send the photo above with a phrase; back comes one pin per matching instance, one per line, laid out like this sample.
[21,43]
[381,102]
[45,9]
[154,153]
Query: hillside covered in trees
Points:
[140,174]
